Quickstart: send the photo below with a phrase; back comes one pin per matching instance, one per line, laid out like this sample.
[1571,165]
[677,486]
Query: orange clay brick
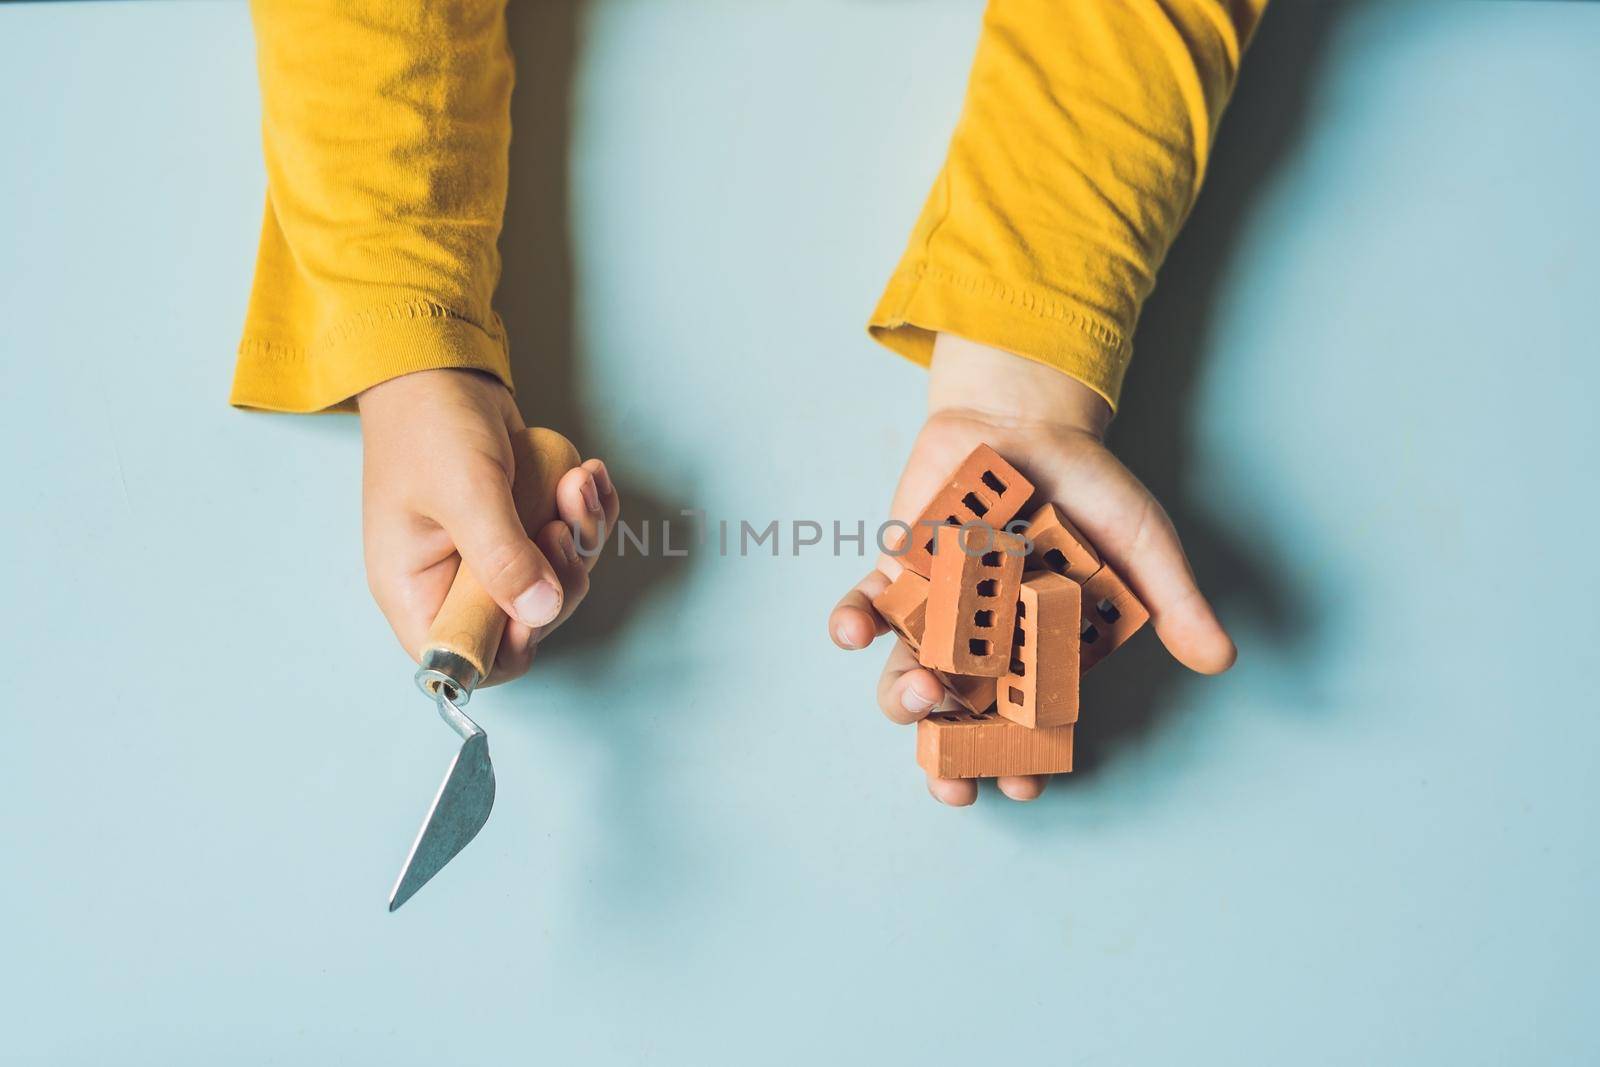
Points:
[974,694]
[972,601]
[1058,546]
[904,606]
[1111,615]
[1042,689]
[953,744]
[985,488]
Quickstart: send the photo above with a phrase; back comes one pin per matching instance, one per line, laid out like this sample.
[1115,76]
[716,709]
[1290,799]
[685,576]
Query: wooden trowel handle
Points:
[466,633]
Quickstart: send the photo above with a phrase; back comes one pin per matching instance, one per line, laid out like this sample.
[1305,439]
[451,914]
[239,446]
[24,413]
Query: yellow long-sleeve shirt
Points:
[386,126]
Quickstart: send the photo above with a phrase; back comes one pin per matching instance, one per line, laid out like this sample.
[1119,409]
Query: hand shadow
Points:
[535,299]
[588,653]
[1126,701]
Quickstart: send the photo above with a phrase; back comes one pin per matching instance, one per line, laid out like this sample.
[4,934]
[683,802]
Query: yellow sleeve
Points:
[386,127]
[1078,154]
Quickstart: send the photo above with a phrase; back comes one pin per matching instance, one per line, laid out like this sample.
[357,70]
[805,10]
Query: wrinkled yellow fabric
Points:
[1078,154]
[386,128]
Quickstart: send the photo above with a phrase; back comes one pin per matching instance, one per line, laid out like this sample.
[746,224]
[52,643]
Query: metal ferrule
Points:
[447,674]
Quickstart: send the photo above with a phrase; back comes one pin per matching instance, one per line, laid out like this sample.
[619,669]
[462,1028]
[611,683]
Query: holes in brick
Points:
[1056,561]
[1022,611]
[1020,637]
[989,587]
[978,646]
[1090,635]
[1014,696]
[948,717]
[991,559]
[983,618]
[994,483]
[974,505]
[1108,611]
[1019,668]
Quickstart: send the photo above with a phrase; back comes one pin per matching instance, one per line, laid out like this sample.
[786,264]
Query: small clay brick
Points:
[954,744]
[1111,615]
[904,607]
[974,694]
[972,601]
[985,488]
[1042,689]
[1058,546]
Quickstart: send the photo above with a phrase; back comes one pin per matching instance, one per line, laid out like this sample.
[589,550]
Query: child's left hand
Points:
[1051,426]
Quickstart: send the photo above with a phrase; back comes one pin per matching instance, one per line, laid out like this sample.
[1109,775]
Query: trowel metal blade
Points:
[459,811]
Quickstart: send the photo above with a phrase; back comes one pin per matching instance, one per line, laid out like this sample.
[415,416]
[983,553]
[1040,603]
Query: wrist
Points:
[433,387]
[976,379]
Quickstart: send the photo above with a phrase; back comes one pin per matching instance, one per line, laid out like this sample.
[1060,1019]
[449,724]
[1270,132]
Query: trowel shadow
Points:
[1127,702]
[536,300]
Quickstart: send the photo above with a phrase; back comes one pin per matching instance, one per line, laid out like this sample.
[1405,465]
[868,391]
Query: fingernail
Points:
[591,499]
[915,702]
[843,638]
[603,478]
[569,551]
[538,605]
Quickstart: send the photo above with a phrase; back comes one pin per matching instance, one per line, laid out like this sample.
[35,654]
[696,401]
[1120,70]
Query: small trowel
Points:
[459,655]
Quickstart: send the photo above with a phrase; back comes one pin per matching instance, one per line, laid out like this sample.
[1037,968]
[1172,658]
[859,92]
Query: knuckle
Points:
[577,585]
[505,563]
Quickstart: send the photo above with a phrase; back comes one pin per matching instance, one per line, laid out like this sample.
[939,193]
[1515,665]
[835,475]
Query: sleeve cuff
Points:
[375,347]
[923,300]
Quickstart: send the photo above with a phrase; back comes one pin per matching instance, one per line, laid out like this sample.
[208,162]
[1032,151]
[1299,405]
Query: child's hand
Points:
[437,481]
[1050,426]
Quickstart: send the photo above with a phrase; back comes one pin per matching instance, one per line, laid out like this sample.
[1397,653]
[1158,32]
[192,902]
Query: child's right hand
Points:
[436,493]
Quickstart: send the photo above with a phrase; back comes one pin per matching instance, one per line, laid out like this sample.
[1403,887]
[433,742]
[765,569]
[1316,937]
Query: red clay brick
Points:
[1042,689]
[972,745]
[972,601]
[1058,546]
[1111,615]
[985,488]
[903,606]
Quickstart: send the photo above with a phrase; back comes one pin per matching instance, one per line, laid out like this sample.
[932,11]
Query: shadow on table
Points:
[536,300]
[1240,569]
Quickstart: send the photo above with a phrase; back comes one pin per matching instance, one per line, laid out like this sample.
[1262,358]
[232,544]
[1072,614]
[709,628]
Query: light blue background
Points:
[1365,390]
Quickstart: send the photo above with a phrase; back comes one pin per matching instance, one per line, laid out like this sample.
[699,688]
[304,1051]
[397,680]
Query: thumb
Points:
[1183,618]
[493,545]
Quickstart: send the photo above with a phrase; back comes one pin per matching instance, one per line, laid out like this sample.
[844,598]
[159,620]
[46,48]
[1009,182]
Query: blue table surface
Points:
[1365,389]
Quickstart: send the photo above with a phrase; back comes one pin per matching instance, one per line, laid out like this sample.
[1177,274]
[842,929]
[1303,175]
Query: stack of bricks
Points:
[1008,614]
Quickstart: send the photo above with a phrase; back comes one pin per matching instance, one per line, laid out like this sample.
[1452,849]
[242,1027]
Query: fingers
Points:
[521,641]
[1023,787]
[953,792]
[959,792]
[907,691]
[852,623]
[515,657]
[1159,572]
[588,503]
[557,543]
[481,519]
